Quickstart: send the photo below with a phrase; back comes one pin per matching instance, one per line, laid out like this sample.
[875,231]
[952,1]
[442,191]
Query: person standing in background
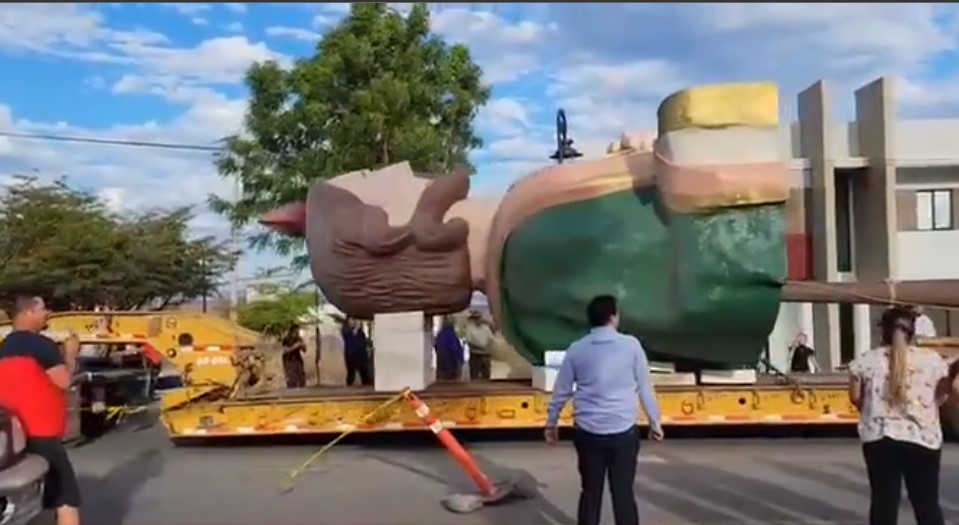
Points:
[925,329]
[449,351]
[608,369]
[802,358]
[355,352]
[479,337]
[898,389]
[293,366]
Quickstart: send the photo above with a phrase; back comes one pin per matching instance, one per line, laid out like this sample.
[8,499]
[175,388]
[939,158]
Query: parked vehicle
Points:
[21,475]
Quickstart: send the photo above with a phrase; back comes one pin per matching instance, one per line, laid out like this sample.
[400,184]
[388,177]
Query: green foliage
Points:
[379,89]
[275,315]
[62,244]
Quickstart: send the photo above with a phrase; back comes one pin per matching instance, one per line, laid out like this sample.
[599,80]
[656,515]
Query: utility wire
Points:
[112,142]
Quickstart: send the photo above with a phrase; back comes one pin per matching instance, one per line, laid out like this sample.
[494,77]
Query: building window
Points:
[844,221]
[934,210]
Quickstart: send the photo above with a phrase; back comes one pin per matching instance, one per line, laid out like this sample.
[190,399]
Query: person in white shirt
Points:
[898,389]
[479,337]
[924,327]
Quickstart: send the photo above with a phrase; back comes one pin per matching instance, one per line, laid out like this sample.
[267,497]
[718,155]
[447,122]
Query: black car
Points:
[21,475]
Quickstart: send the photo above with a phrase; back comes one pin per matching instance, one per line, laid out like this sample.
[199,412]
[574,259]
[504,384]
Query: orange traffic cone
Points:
[452,445]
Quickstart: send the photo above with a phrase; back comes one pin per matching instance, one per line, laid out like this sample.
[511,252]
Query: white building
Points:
[873,201]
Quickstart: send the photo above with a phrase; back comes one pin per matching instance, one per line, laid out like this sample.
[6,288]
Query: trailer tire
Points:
[93,426]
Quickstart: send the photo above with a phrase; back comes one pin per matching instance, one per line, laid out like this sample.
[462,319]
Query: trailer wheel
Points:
[93,426]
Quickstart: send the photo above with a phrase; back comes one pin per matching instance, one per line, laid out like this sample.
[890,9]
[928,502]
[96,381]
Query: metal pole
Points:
[561,129]
[316,333]
[234,249]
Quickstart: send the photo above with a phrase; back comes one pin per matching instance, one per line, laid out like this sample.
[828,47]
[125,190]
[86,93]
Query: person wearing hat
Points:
[479,338]
[925,329]
[898,388]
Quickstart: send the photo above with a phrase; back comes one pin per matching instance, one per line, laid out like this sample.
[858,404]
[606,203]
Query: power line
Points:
[112,142]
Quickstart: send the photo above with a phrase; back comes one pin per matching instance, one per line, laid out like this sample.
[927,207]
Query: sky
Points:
[173,73]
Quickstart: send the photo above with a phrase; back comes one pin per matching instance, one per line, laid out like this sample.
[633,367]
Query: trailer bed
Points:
[504,404]
[519,386]
[441,388]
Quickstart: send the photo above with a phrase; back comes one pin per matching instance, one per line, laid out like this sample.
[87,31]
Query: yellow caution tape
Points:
[112,412]
[295,473]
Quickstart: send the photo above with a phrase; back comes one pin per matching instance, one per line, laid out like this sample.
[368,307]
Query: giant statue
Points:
[686,228]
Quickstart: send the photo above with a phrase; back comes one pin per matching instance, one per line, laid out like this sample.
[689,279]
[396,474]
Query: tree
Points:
[169,267]
[277,311]
[379,89]
[63,244]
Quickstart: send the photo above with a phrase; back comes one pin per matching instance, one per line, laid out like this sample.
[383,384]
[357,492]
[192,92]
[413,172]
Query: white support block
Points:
[404,351]
[544,377]
[862,328]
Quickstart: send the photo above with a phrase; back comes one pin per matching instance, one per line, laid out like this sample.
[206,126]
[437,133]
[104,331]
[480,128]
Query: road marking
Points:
[651,459]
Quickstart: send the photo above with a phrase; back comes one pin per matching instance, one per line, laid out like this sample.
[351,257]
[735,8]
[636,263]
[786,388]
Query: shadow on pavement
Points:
[704,494]
[856,483]
[107,500]
[442,469]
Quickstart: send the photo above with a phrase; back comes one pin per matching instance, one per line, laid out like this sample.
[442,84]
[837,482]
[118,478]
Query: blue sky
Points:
[172,73]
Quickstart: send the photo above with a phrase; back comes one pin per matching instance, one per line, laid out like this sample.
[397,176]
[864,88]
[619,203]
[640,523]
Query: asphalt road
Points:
[136,477]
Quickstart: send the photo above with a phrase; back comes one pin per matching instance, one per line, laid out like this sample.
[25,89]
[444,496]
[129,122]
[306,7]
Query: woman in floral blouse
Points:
[898,388]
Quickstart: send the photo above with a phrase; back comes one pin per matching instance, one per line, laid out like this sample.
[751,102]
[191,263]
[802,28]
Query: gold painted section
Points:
[719,106]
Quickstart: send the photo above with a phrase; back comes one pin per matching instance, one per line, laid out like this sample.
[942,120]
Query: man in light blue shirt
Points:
[609,370]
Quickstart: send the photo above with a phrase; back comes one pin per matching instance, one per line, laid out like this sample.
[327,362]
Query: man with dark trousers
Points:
[35,377]
[356,352]
[608,369]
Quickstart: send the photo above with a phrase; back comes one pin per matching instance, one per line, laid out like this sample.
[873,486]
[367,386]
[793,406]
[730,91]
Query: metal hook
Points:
[564,144]
[561,132]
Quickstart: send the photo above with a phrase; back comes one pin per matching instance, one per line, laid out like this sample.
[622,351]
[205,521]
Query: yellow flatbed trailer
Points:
[501,404]
[205,350]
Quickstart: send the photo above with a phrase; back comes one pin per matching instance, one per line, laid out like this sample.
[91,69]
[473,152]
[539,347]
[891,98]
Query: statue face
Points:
[378,242]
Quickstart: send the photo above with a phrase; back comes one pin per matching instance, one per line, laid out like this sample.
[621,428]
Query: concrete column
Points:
[806,324]
[862,328]
[874,193]
[816,140]
[783,333]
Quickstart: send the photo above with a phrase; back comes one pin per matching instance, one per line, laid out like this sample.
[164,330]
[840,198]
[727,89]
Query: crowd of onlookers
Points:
[459,349]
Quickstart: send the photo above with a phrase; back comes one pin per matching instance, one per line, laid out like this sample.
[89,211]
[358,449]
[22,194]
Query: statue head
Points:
[378,241]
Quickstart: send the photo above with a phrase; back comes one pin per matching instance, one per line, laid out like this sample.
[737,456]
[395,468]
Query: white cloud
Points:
[78,32]
[295,33]
[235,7]
[42,27]
[329,14]
[506,50]
[607,65]
[217,60]
[112,197]
[505,115]
[187,9]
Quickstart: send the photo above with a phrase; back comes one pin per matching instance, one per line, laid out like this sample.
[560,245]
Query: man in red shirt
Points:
[35,377]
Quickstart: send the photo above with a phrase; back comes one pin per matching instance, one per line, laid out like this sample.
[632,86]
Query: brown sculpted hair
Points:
[366,266]
[897,327]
